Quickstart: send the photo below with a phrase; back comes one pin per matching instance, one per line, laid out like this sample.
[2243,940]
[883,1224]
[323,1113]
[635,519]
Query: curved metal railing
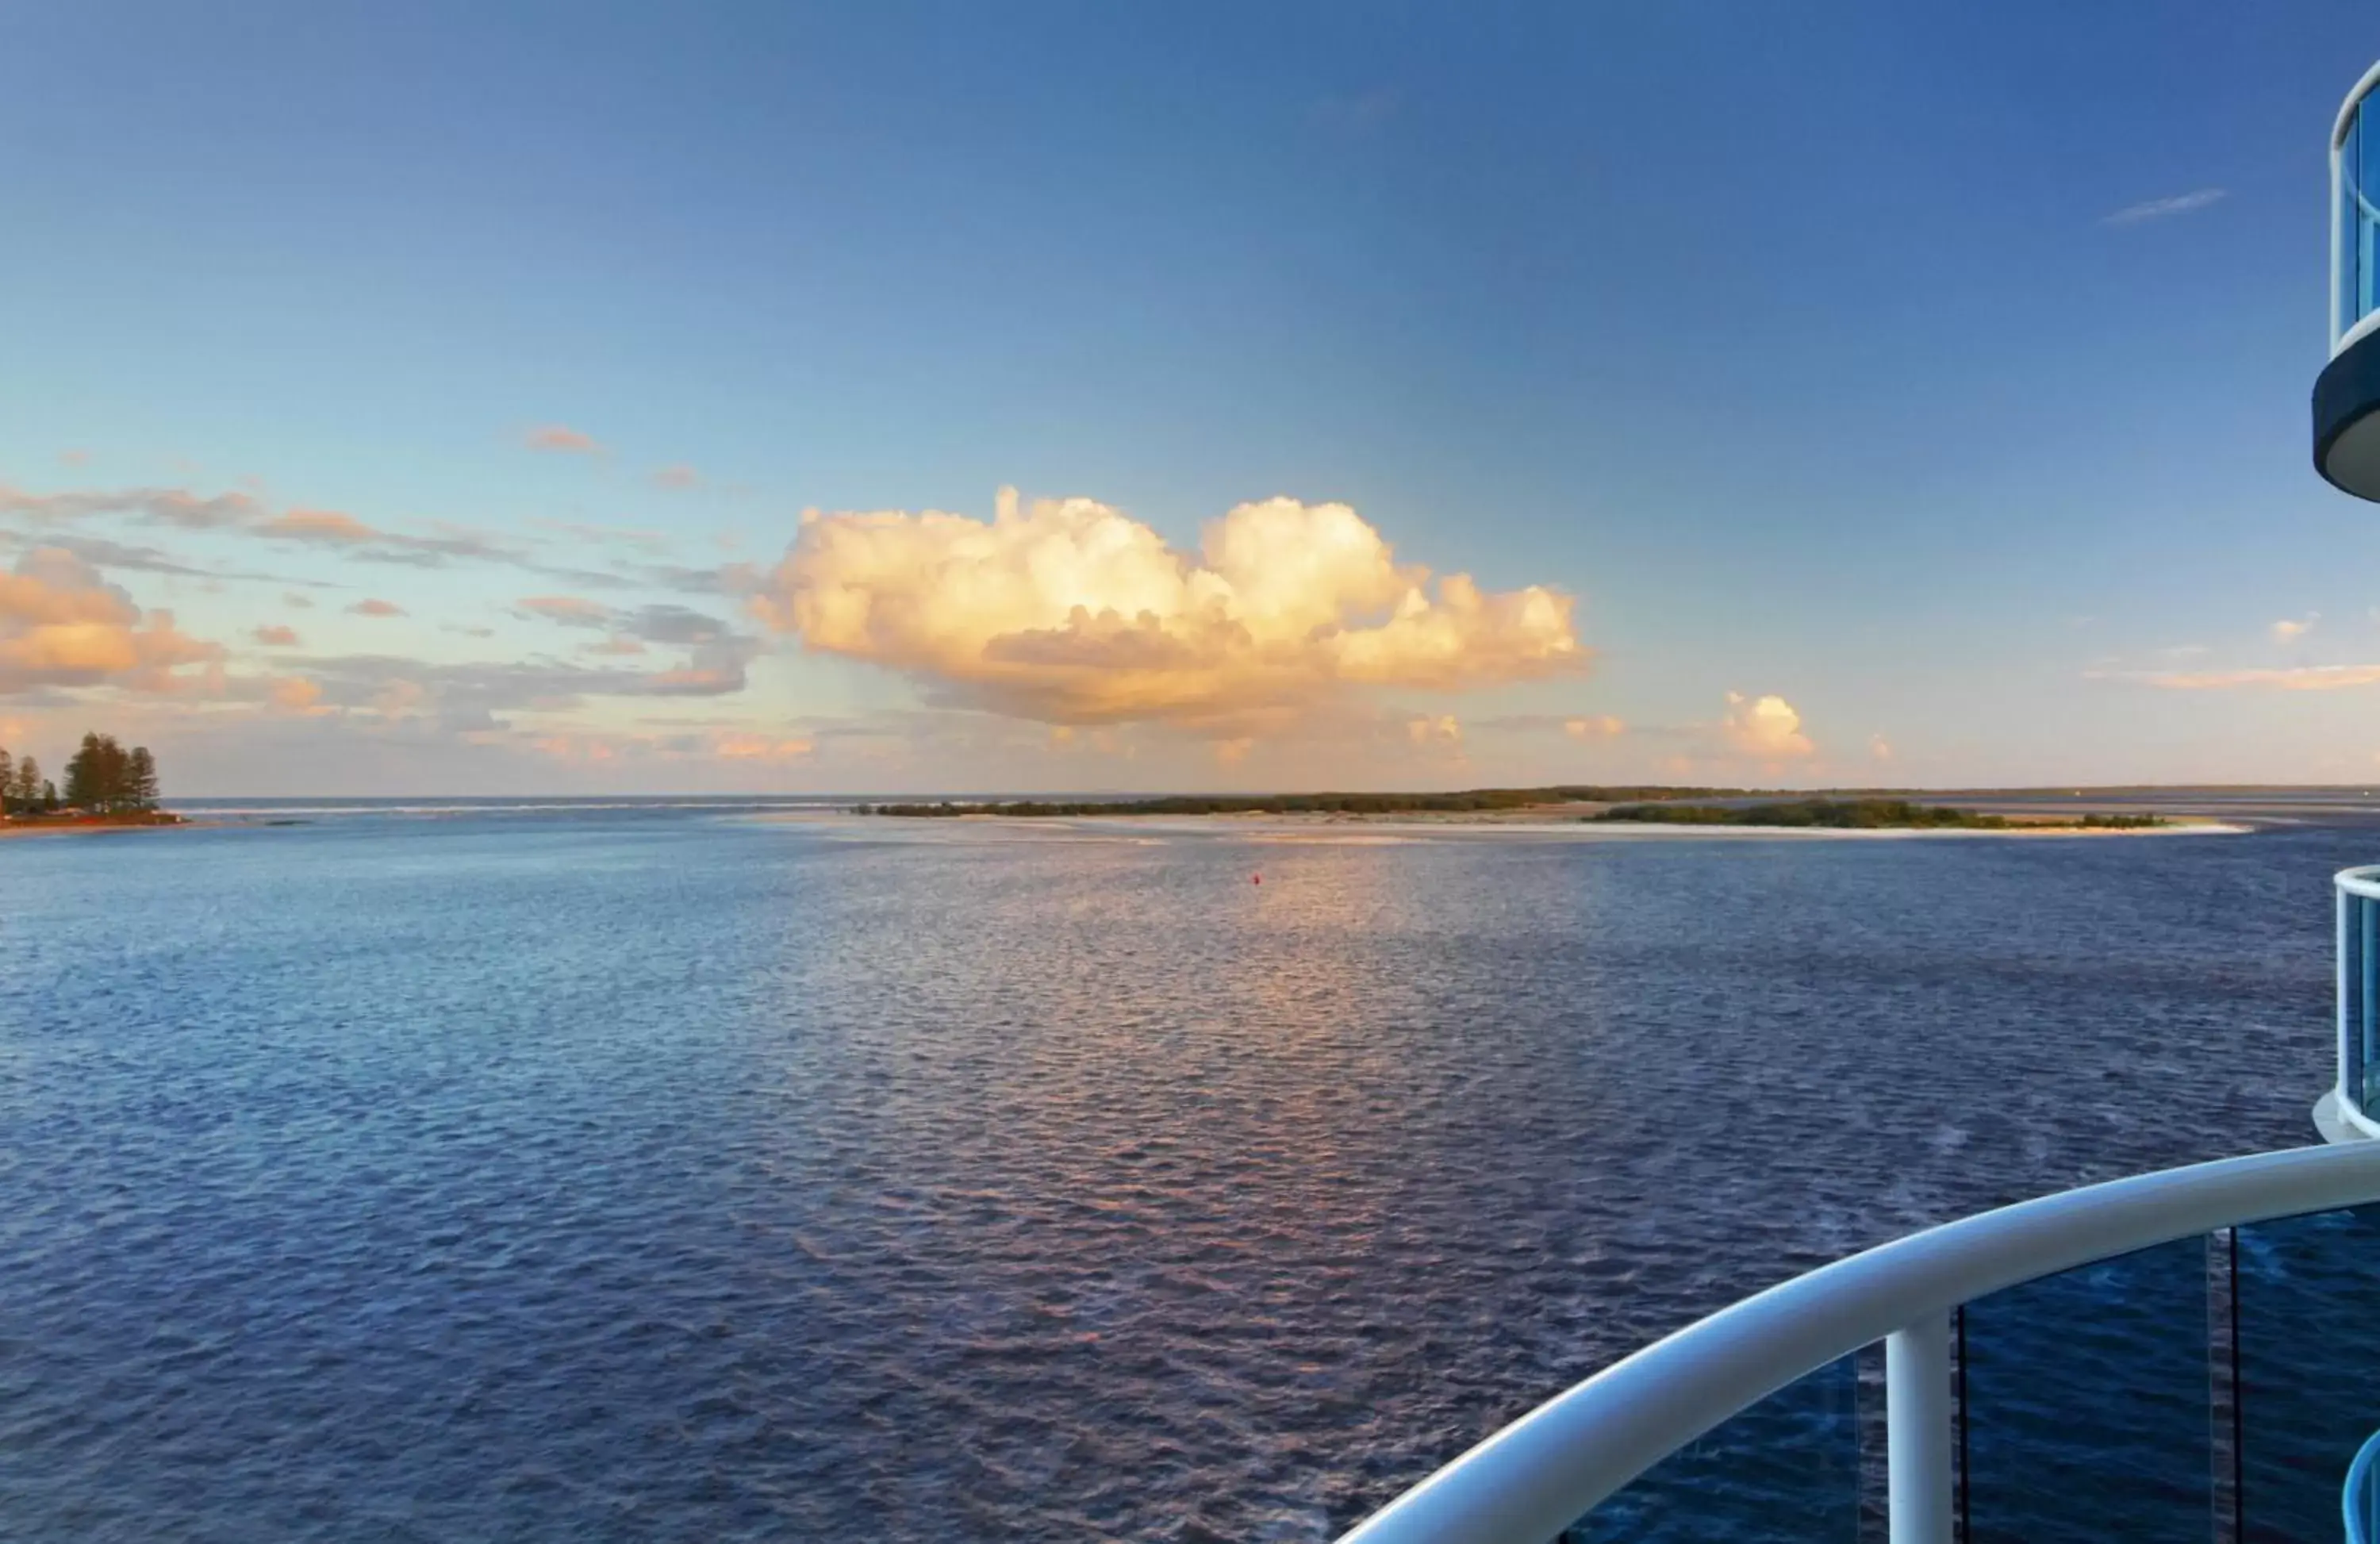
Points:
[1538,1475]
[2359,1499]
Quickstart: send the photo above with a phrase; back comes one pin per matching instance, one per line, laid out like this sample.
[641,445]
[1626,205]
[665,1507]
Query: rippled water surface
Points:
[622,1174]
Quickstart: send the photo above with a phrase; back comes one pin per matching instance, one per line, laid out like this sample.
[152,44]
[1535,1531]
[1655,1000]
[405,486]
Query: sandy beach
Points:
[1567,822]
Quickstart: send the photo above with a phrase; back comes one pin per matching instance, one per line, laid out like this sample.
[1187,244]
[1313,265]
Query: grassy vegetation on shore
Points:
[1864,815]
[1465,801]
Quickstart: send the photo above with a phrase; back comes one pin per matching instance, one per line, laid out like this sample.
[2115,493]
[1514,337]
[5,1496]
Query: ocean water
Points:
[622,1172]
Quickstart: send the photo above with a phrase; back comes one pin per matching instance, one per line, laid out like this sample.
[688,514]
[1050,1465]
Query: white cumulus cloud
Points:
[1071,612]
[1765,728]
[61,624]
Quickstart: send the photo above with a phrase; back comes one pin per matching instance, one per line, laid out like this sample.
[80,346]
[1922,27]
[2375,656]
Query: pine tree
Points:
[98,778]
[141,786]
[83,774]
[8,781]
[29,785]
[111,775]
[49,795]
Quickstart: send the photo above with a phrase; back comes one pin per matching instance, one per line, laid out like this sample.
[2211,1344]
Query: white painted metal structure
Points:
[1541,1474]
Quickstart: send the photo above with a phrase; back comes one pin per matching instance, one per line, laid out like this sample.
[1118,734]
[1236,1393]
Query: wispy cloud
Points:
[1357,115]
[1577,726]
[117,554]
[369,543]
[561,440]
[2160,208]
[470,694]
[433,544]
[571,611]
[736,579]
[581,532]
[2310,677]
[166,506]
[760,748]
[2289,629]
[659,623]
[376,608]
[276,637]
[679,477]
[318,525]
[134,558]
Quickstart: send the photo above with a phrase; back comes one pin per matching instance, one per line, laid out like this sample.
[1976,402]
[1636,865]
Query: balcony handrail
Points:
[2360,1518]
[1543,1472]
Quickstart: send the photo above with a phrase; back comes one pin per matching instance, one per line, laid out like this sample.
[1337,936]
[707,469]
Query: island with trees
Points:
[1836,809]
[1465,801]
[105,786]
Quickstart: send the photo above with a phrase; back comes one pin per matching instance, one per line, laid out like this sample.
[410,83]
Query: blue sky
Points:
[1800,354]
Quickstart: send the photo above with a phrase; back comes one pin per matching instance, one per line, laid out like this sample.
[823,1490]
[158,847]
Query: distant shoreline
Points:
[1540,823]
[64,825]
[1610,811]
[1570,821]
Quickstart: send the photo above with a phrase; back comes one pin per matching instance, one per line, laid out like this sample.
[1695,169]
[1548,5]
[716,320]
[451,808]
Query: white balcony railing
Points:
[1536,1477]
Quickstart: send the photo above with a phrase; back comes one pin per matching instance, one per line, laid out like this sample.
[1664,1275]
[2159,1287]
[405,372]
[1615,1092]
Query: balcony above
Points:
[2347,416]
[2346,425]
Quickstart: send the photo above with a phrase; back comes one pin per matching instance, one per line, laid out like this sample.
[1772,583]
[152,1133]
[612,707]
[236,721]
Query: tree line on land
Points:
[1668,806]
[1306,804]
[102,778]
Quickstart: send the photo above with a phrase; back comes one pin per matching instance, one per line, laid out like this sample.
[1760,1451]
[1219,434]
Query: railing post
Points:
[1917,1431]
[2347,1029]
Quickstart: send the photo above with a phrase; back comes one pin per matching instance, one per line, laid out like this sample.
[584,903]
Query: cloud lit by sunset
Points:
[62,627]
[1766,728]
[1070,611]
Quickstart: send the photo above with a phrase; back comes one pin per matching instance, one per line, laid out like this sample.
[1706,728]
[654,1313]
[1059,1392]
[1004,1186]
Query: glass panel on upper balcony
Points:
[2353,996]
[2367,207]
[2344,224]
[1788,1469]
[2361,962]
[2359,216]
